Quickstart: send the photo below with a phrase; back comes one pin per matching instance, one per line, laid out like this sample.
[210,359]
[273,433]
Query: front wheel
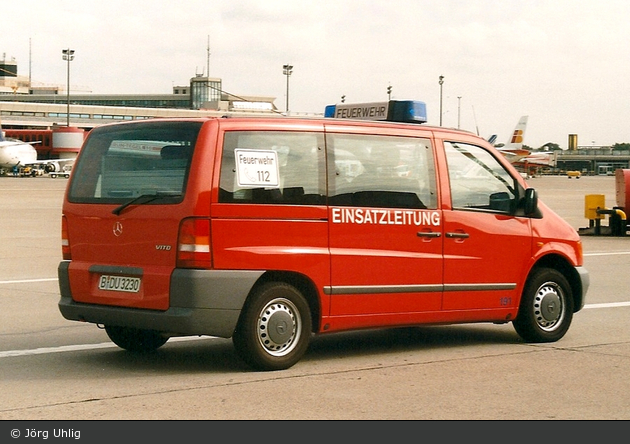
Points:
[546,308]
[274,330]
[135,340]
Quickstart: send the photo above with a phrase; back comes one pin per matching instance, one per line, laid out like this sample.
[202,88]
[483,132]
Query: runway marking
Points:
[47,350]
[608,305]
[607,253]
[29,281]
[80,347]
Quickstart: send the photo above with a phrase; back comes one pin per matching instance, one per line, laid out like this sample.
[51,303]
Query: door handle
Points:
[457,235]
[429,234]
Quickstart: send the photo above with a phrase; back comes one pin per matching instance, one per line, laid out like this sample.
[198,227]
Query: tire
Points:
[546,308]
[135,340]
[274,330]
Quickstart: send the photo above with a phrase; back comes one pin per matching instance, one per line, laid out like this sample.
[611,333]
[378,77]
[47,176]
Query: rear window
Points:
[123,162]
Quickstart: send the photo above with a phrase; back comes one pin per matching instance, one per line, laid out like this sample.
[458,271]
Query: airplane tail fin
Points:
[516,141]
[492,139]
[514,150]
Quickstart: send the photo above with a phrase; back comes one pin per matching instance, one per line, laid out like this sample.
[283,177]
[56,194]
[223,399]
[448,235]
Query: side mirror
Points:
[531,201]
[501,202]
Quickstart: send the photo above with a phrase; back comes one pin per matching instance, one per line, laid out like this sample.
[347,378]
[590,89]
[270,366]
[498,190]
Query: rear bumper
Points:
[202,302]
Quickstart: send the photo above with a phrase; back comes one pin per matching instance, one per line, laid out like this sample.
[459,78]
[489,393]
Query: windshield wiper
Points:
[145,198]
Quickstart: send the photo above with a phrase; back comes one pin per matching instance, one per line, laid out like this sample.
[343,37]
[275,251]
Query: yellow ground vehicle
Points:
[30,171]
[572,174]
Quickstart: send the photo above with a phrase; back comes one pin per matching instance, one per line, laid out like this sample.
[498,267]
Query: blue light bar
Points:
[409,111]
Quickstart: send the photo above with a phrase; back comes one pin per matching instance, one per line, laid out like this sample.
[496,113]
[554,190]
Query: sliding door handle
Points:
[457,235]
[429,234]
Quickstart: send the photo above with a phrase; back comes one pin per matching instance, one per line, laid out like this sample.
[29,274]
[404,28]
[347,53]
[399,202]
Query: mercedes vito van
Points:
[271,230]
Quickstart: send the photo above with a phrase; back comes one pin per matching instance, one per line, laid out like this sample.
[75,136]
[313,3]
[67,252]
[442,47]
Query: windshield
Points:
[120,163]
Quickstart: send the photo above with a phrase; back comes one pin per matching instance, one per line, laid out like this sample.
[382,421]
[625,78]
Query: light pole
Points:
[441,81]
[68,54]
[459,109]
[287,70]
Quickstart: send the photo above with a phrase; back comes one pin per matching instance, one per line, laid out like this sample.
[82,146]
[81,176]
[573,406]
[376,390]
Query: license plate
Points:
[119,283]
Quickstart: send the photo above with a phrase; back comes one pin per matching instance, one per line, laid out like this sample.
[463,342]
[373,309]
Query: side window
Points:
[478,180]
[381,171]
[272,167]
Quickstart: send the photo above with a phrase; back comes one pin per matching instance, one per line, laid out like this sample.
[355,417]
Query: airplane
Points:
[529,161]
[513,150]
[541,158]
[14,152]
[535,161]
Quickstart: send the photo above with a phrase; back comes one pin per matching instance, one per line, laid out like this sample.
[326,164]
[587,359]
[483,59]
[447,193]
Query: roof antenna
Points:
[475,116]
[208,59]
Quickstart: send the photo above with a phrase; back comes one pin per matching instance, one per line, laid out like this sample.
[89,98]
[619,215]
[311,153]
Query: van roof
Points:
[326,121]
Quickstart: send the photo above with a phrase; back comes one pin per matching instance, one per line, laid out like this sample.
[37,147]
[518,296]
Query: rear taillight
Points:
[65,242]
[193,245]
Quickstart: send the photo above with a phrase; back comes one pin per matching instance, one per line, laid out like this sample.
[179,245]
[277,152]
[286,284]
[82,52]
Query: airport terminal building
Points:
[23,105]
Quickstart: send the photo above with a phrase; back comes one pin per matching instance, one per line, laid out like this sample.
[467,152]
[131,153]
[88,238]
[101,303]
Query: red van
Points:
[270,230]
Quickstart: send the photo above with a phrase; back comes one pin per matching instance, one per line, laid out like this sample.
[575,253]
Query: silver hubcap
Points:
[279,327]
[549,306]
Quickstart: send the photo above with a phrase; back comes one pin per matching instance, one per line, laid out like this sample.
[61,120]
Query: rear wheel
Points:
[275,327]
[135,340]
[546,308]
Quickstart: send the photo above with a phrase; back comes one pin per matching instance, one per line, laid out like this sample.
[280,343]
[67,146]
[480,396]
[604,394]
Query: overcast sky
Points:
[564,63]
